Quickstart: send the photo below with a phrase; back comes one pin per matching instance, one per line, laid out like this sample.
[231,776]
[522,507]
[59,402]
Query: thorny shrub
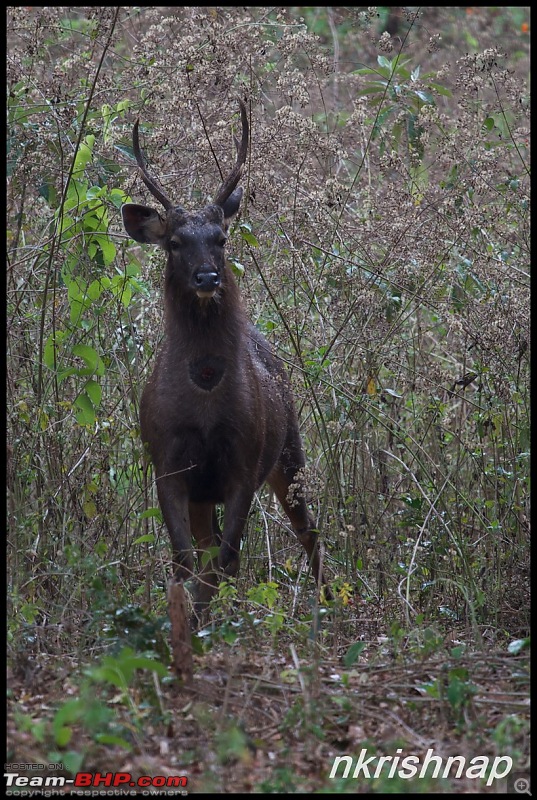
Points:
[384,249]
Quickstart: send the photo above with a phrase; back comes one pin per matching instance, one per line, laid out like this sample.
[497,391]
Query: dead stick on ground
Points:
[180,631]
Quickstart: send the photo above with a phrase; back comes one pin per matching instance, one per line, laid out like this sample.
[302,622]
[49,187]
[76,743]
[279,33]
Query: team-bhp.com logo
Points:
[90,780]
[429,766]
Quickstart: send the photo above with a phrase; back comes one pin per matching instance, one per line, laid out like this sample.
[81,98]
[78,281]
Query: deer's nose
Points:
[206,282]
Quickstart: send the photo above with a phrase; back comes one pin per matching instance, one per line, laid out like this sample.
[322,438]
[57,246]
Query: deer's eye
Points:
[174,244]
[221,241]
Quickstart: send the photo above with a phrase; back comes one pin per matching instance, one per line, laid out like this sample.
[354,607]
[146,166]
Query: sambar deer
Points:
[217,414]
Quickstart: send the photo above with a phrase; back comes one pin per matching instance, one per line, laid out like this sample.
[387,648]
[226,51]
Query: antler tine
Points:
[235,175]
[150,182]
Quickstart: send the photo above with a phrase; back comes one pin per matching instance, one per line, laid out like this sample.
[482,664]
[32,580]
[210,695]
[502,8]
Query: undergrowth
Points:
[384,250]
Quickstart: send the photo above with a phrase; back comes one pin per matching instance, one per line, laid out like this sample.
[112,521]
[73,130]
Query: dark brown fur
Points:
[217,413]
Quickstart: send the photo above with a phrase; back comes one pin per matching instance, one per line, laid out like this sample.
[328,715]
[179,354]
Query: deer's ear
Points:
[231,205]
[143,224]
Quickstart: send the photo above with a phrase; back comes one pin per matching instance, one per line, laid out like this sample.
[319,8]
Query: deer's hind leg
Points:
[287,484]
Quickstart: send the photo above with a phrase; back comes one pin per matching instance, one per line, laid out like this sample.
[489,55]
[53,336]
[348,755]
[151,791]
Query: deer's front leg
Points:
[236,511]
[205,530]
[173,501]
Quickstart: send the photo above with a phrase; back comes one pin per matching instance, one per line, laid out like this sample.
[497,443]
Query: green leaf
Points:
[83,157]
[126,150]
[151,512]
[95,191]
[120,288]
[90,357]
[93,362]
[118,197]
[456,692]
[263,593]
[63,736]
[106,111]
[86,414]
[66,373]
[69,712]
[90,509]
[247,235]
[72,760]
[518,645]
[123,105]
[67,223]
[208,554]
[108,248]
[373,87]
[95,290]
[92,222]
[353,653]
[126,295]
[110,739]
[236,267]
[397,130]
[229,635]
[274,621]
[384,62]
[119,670]
[50,351]
[441,89]
[147,537]
[94,392]
[132,270]
[425,96]
[364,71]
